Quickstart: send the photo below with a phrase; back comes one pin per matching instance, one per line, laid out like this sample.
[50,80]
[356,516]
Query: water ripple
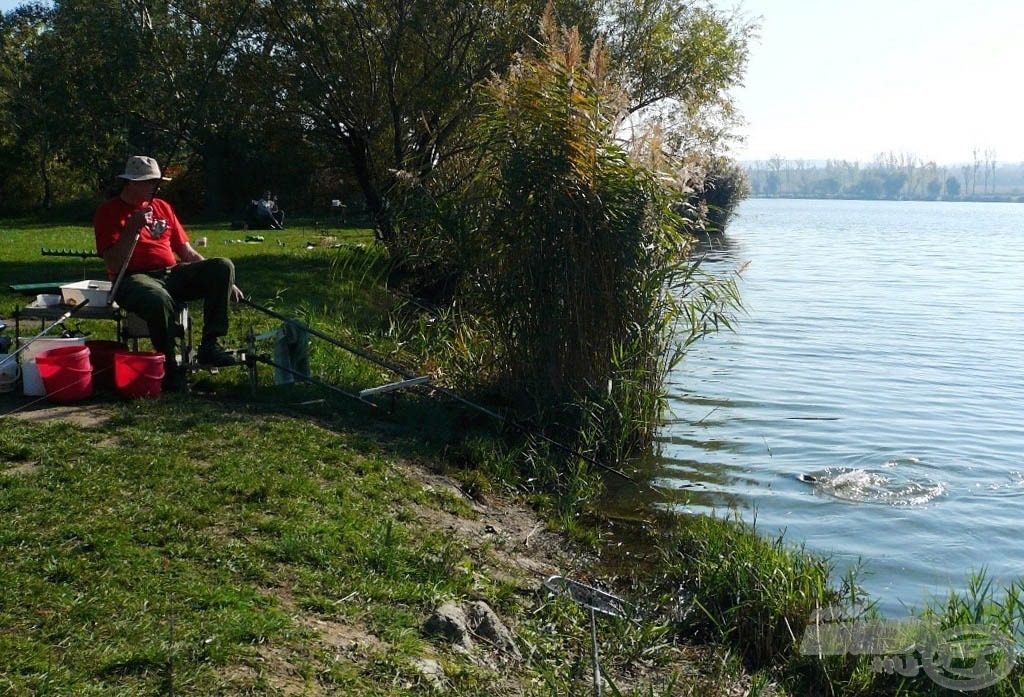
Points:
[872,330]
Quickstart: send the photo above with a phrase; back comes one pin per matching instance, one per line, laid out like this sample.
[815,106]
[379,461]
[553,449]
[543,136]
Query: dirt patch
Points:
[26,469]
[277,668]
[38,410]
[342,638]
[525,550]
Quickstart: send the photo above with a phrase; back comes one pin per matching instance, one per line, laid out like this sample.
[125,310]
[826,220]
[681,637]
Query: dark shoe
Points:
[212,354]
[174,381]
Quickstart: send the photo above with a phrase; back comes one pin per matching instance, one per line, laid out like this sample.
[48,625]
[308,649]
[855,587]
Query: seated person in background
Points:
[265,213]
[163,268]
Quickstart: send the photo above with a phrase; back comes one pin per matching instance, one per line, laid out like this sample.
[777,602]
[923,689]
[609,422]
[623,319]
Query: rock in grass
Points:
[431,671]
[460,623]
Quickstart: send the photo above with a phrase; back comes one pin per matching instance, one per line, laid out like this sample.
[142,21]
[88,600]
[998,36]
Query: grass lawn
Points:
[202,547]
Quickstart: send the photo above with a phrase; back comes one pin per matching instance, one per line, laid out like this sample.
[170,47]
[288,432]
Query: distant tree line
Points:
[892,176]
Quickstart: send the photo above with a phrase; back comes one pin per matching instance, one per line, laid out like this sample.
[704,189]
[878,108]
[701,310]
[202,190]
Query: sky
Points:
[6,5]
[850,79]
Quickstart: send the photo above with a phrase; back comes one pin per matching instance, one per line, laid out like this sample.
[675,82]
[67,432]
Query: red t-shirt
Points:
[154,250]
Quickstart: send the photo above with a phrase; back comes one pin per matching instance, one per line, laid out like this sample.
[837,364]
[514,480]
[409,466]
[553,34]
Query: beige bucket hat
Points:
[142,168]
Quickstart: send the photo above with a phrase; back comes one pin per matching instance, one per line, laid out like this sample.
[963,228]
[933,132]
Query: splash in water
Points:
[896,483]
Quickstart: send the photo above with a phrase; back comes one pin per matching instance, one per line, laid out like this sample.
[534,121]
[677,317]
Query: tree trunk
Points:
[376,203]
[44,174]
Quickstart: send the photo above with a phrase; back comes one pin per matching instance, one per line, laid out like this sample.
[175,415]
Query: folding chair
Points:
[134,328]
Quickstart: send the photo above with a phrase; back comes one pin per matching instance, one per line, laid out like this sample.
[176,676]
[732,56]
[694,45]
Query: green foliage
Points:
[677,62]
[570,288]
[83,85]
[574,262]
[754,593]
[388,88]
[317,100]
[724,186]
[569,234]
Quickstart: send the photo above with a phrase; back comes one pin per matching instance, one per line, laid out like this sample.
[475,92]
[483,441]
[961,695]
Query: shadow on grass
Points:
[414,426]
[39,222]
[340,291]
[336,283]
[135,665]
[46,270]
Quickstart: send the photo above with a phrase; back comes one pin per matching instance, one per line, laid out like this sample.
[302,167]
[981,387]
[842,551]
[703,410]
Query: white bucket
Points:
[32,383]
[10,371]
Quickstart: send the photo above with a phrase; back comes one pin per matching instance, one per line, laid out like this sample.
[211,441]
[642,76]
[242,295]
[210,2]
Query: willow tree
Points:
[677,63]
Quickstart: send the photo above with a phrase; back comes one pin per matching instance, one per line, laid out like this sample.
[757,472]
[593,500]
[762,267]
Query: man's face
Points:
[140,191]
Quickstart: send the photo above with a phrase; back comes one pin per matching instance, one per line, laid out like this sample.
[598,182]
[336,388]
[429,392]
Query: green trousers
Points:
[153,296]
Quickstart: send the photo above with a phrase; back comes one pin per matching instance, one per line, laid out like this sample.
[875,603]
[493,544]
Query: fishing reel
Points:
[75,332]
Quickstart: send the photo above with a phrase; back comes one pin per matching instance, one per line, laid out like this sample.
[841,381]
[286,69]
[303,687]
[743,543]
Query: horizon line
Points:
[919,163]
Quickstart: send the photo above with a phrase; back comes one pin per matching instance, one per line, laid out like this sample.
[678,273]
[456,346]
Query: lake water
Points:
[880,353]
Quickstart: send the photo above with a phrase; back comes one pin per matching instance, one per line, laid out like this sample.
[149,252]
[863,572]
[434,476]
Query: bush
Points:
[725,185]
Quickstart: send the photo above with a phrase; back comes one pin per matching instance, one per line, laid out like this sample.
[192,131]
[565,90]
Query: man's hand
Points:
[117,254]
[138,220]
[236,294]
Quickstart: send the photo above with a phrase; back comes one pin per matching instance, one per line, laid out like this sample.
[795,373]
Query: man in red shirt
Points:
[163,268]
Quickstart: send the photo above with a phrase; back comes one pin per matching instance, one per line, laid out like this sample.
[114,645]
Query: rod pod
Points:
[409,375]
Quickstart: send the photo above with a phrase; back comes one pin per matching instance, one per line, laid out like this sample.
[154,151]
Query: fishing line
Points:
[146,24]
[49,395]
[409,375]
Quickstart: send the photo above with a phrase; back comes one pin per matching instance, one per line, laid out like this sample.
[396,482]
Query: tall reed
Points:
[575,263]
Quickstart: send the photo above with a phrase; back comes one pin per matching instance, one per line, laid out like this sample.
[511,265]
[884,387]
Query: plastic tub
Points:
[101,354]
[66,373]
[138,374]
[32,384]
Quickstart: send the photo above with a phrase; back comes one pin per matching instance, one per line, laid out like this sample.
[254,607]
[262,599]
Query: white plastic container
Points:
[32,383]
[46,300]
[96,292]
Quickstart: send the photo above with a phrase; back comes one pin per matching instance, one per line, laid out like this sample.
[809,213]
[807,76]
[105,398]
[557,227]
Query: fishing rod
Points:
[146,22]
[409,375]
[158,226]
[124,266]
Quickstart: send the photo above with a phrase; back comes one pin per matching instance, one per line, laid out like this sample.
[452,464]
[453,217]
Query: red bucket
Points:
[138,374]
[101,354]
[66,373]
